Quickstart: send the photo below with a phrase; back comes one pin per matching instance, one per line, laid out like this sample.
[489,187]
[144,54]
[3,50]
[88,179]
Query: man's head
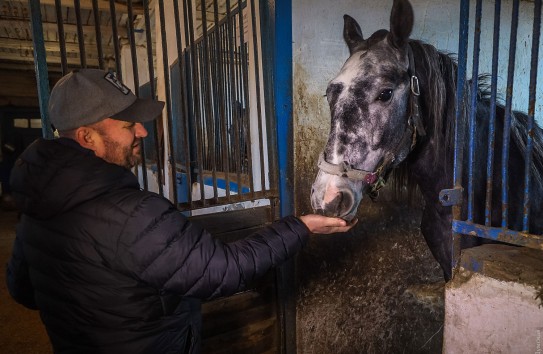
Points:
[94,108]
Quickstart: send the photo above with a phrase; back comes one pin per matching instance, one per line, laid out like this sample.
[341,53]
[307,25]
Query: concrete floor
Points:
[21,330]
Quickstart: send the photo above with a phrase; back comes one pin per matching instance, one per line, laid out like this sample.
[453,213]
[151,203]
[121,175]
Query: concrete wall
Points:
[377,289]
[493,304]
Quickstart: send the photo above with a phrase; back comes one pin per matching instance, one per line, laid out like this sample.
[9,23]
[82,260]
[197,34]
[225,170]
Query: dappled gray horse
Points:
[393,105]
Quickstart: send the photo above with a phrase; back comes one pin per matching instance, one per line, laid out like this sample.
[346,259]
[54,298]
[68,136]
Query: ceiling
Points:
[17,78]
[16,33]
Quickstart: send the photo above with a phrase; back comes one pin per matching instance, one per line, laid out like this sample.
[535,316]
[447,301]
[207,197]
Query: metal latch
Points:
[449,197]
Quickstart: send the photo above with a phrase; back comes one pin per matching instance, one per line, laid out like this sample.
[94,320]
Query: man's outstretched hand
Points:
[319,224]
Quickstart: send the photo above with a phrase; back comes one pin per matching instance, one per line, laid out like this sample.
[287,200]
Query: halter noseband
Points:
[377,179]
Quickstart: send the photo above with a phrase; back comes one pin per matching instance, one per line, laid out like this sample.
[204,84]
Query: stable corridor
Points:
[21,331]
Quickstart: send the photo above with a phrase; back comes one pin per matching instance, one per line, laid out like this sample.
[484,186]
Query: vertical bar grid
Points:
[510,138]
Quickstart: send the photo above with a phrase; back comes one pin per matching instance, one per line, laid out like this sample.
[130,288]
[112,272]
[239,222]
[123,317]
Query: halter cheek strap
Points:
[377,179]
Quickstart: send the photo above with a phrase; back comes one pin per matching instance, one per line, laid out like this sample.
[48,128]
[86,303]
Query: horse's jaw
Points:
[336,196]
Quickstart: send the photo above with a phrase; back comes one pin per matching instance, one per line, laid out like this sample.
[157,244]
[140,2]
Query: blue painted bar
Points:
[40,66]
[492,118]
[473,105]
[283,103]
[498,234]
[507,118]
[531,108]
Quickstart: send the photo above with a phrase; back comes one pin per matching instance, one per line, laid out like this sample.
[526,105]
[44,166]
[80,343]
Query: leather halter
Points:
[377,179]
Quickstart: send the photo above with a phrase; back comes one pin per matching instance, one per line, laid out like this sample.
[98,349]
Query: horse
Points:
[393,107]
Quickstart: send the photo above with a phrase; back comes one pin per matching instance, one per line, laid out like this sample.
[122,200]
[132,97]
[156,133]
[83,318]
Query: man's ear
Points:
[86,137]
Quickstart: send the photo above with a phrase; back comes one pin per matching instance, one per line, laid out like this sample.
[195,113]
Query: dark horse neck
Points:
[430,164]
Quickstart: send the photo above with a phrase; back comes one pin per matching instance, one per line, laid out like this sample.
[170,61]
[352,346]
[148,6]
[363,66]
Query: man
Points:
[112,268]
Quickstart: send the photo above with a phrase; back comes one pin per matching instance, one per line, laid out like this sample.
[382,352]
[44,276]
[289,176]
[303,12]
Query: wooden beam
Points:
[50,47]
[51,59]
[103,5]
[68,28]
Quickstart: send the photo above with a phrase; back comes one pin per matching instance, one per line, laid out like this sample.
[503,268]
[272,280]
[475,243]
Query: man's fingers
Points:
[320,224]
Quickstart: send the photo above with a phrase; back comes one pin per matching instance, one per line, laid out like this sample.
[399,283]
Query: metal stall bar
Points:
[80,35]
[531,108]
[98,34]
[40,63]
[508,109]
[244,67]
[61,39]
[189,28]
[267,38]
[156,122]
[135,74]
[258,98]
[219,100]
[222,92]
[233,84]
[459,134]
[115,38]
[473,105]
[207,100]
[171,158]
[492,118]
[282,70]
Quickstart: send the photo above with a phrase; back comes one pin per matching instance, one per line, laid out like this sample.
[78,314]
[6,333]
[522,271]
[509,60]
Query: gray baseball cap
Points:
[87,96]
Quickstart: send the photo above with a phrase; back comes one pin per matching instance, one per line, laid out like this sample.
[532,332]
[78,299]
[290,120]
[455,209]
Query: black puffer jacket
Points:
[114,269]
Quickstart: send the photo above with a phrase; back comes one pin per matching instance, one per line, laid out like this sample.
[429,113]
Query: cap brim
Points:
[142,110]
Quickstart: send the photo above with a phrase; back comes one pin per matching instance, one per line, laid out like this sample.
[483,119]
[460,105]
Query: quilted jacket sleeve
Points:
[17,276]
[171,253]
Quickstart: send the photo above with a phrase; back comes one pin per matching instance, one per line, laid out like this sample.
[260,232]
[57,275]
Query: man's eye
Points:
[385,95]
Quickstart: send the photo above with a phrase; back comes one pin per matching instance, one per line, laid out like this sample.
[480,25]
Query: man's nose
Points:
[141,132]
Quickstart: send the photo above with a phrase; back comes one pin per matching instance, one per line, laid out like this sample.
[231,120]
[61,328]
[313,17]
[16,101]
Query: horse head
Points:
[374,115]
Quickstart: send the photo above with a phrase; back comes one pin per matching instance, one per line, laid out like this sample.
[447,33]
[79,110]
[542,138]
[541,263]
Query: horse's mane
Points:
[437,73]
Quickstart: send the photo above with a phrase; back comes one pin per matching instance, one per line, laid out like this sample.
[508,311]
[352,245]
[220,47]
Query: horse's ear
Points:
[352,34]
[401,22]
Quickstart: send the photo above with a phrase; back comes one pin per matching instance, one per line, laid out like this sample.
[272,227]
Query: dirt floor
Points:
[21,330]
[375,290]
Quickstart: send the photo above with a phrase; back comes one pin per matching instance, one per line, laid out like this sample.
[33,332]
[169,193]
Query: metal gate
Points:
[213,152]
[213,145]
[519,77]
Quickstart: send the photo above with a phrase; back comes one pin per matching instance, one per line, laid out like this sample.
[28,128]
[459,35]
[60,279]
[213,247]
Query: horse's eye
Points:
[385,96]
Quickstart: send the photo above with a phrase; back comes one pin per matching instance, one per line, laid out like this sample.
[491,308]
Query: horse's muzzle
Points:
[336,196]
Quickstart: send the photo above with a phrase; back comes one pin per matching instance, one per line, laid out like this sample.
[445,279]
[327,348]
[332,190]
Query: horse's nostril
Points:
[340,205]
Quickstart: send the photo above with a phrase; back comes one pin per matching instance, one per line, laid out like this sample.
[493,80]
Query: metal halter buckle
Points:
[415,89]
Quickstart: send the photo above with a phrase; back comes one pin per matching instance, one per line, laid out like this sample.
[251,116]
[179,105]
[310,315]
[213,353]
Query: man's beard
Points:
[121,155]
